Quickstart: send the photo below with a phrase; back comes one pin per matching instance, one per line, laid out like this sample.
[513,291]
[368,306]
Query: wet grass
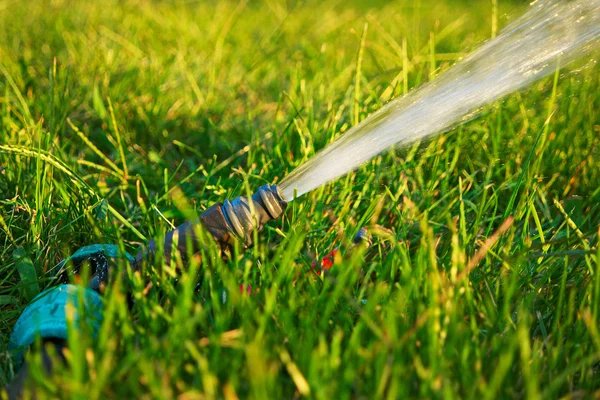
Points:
[119,119]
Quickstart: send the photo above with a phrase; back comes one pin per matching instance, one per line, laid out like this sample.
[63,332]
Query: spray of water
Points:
[528,49]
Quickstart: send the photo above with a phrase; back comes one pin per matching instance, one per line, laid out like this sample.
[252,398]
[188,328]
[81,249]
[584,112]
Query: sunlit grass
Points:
[482,277]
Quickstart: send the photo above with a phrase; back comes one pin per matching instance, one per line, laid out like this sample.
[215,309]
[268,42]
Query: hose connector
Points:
[235,219]
[242,216]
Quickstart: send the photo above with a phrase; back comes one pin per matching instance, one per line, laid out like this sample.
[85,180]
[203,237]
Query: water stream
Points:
[525,51]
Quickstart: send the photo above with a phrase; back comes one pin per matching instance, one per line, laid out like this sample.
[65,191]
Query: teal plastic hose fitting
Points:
[46,317]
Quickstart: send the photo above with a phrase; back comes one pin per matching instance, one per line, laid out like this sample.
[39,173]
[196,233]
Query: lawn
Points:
[122,119]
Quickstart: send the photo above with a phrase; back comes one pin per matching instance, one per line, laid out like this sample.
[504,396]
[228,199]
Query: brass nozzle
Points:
[242,216]
[235,219]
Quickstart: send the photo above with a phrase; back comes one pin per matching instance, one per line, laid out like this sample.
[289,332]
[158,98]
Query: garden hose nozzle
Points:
[242,216]
[226,222]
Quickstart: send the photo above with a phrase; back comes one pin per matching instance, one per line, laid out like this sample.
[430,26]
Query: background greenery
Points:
[120,118]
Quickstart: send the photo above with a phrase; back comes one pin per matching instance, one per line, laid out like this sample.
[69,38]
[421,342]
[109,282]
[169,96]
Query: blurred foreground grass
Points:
[120,118]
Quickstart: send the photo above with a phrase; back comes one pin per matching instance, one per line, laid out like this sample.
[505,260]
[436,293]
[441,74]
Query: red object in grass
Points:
[327,261]
[245,288]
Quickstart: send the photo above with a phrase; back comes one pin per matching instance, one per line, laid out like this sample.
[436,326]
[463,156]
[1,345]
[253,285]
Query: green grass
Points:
[120,118]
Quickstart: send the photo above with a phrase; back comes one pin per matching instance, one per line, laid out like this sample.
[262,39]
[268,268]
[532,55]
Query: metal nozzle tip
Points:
[242,216]
[272,200]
